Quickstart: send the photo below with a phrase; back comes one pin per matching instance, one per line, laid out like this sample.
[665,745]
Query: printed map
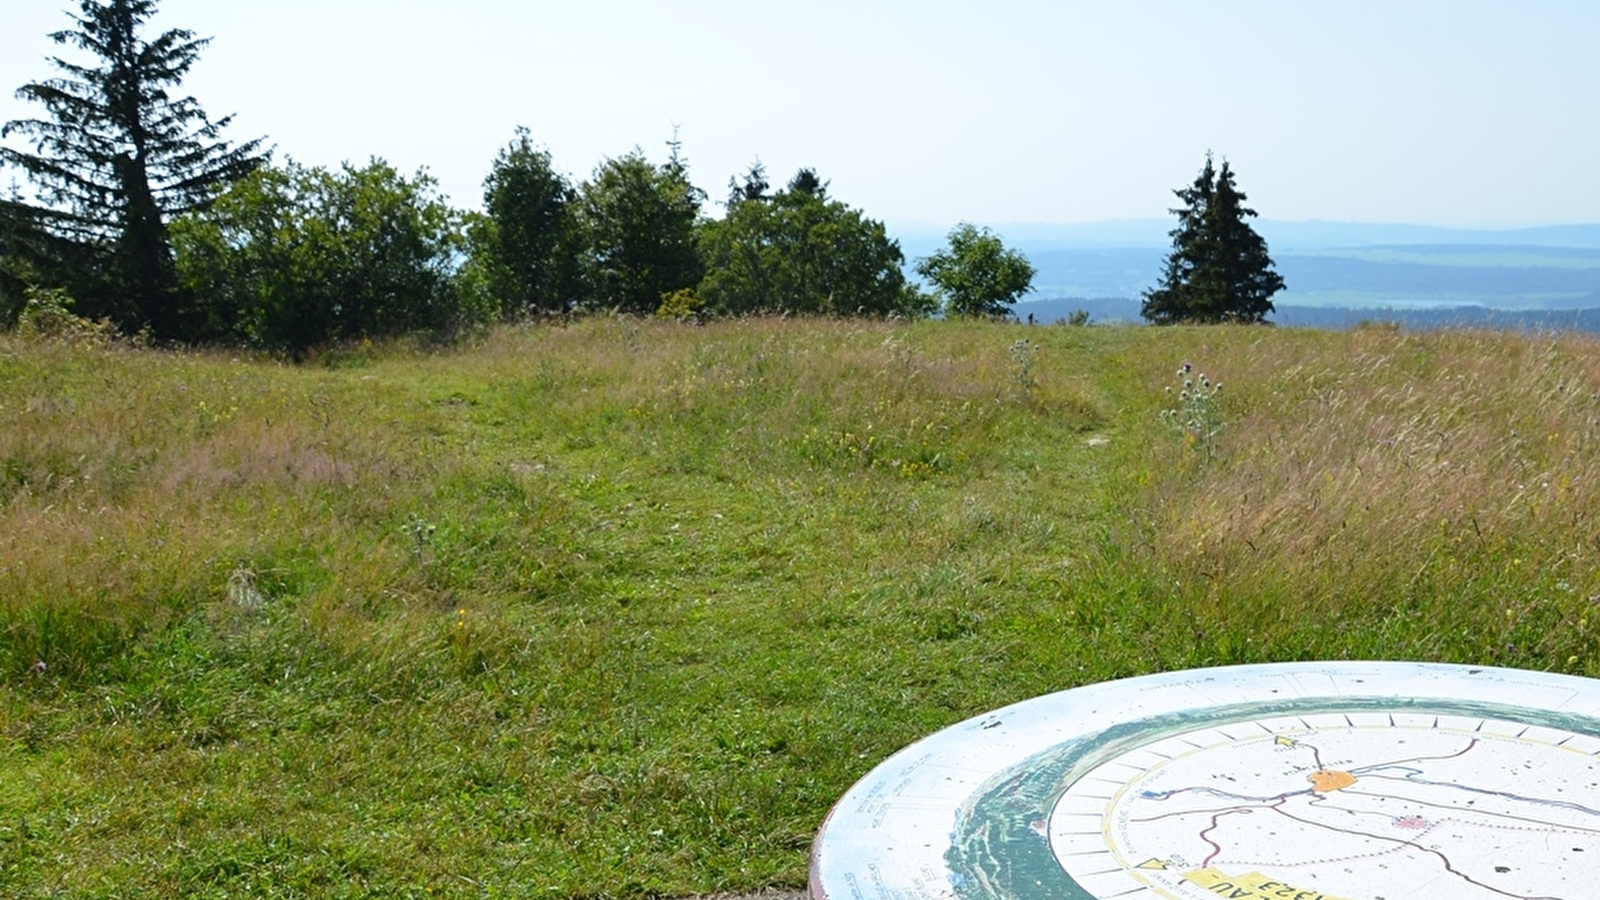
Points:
[1364,805]
[1333,781]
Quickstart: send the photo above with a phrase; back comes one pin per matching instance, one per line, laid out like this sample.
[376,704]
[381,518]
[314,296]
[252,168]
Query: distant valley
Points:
[1338,274]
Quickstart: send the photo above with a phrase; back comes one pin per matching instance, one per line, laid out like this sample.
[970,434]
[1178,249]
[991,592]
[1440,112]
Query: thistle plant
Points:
[1197,416]
[1023,353]
[421,532]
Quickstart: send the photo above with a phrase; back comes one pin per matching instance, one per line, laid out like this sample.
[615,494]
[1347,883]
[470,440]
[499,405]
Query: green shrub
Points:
[295,258]
[47,315]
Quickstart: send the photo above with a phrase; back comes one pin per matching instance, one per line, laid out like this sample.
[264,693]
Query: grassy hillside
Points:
[618,609]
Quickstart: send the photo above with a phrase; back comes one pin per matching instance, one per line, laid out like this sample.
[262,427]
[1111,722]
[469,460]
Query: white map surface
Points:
[1364,806]
[1304,781]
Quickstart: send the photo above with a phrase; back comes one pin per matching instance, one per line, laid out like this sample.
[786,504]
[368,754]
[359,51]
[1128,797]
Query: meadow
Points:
[618,607]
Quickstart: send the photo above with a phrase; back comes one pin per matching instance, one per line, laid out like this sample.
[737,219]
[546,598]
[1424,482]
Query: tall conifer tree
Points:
[116,155]
[1218,270]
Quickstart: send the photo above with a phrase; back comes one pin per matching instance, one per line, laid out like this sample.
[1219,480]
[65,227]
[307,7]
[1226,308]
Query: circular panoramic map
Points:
[1304,781]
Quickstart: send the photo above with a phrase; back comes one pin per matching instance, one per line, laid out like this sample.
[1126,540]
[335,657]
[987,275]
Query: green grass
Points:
[619,609]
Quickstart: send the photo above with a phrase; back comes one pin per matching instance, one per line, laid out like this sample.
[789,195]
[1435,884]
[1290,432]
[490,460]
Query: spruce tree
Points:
[754,188]
[1218,270]
[117,155]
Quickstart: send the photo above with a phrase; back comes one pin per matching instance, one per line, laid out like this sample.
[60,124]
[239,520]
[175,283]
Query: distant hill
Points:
[920,239]
[1121,311]
[1326,235]
[1331,266]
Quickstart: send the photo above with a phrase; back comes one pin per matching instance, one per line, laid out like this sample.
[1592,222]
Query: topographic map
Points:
[1337,781]
[1463,807]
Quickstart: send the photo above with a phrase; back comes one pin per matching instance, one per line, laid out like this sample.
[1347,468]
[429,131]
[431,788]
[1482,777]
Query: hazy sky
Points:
[1446,112]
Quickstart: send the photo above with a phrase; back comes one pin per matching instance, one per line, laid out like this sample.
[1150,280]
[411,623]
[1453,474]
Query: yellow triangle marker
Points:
[1155,864]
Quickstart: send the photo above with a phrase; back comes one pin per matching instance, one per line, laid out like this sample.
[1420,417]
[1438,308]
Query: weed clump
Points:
[1197,416]
[48,316]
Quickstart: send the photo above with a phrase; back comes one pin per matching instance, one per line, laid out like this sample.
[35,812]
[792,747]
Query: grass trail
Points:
[619,609]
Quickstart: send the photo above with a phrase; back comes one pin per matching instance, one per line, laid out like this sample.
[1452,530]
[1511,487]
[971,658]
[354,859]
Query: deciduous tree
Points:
[636,225]
[976,276]
[525,242]
[798,251]
[295,257]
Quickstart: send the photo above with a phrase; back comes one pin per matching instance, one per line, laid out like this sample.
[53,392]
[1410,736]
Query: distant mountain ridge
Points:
[1332,266]
[1121,311]
[919,239]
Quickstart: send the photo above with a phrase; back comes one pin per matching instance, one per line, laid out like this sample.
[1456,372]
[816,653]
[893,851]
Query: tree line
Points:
[144,215]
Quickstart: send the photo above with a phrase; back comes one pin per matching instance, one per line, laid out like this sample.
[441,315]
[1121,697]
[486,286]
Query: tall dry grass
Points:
[134,485]
[1448,480]
[137,487]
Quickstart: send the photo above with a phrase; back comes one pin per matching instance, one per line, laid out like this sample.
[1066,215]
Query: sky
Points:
[1456,113]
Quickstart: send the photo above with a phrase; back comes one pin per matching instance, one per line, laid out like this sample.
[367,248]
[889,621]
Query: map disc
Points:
[1293,781]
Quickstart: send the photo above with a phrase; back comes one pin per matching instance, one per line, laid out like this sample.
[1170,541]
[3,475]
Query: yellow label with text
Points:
[1254,886]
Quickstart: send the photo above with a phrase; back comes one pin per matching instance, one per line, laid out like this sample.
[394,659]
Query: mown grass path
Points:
[619,609]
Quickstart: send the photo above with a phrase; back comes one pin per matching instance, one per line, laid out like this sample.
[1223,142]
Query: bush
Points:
[682,305]
[294,258]
[636,227]
[47,315]
[799,251]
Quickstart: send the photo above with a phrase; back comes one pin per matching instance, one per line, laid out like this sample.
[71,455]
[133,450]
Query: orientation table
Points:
[1293,781]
